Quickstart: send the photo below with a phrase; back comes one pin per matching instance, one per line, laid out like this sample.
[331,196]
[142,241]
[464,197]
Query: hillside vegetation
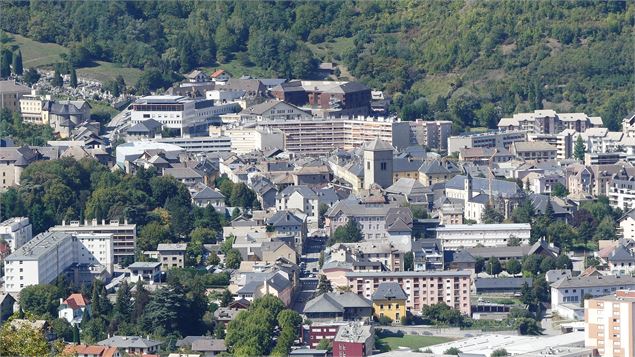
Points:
[466,61]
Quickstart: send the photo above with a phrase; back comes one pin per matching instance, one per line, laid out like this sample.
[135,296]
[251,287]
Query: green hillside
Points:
[467,61]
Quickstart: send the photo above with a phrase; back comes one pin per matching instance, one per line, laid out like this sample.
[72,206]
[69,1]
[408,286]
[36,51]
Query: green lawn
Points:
[38,54]
[388,342]
[106,70]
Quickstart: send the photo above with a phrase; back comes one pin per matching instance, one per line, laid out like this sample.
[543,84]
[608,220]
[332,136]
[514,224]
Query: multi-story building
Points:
[320,136]
[607,158]
[13,160]
[563,142]
[16,231]
[609,324]
[354,340]
[537,151]
[10,94]
[172,255]
[621,190]
[495,139]
[339,98]
[124,235]
[432,134]
[247,139]
[48,255]
[177,112]
[422,287]
[549,122]
[454,237]
[200,144]
[568,293]
[273,110]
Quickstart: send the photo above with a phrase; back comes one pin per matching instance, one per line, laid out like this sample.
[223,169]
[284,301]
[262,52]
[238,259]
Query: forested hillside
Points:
[468,61]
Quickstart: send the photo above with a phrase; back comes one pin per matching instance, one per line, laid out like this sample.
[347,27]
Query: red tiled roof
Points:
[217,73]
[76,301]
[103,351]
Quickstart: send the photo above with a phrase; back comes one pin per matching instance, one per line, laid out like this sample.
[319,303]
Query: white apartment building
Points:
[457,236]
[124,235]
[201,144]
[563,142]
[432,134]
[320,136]
[177,112]
[609,324]
[494,139]
[48,255]
[549,122]
[568,293]
[622,193]
[422,287]
[16,231]
[246,139]
[31,109]
[627,225]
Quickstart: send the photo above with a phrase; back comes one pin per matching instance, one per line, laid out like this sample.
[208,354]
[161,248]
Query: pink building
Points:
[451,287]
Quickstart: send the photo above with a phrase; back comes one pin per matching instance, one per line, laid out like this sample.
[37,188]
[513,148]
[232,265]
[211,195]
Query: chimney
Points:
[103,222]
[94,222]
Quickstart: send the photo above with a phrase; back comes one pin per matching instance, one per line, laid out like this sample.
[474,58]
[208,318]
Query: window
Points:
[383,166]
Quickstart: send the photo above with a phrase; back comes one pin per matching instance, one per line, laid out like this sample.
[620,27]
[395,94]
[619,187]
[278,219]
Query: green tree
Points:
[40,300]
[62,329]
[578,149]
[494,266]
[17,63]
[151,235]
[76,335]
[31,76]
[348,233]
[73,81]
[501,352]
[559,190]
[564,262]
[408,261]
[324,285]
[479,265]
[57,80]
[5,63]
[24,340]
[226,298]
[513,267]
[492,215]
[219,330]
[233,259]
[528,326]
[452,351]
[213,259]
[325,344]
[531,264]
[548,263]
[513,241]
[605,230]
[526,294]
[124,305]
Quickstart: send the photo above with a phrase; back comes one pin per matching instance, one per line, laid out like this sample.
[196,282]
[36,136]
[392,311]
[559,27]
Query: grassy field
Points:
[38,54]
[389,342]
[45,55]
[106,70]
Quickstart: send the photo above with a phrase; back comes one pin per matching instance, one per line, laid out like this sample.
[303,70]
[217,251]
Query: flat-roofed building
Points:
[493,139]
[16,231]
[172,255]
[432,134]
[201,144]
[451,287]
[124,235]
[457,236]
[549,122]
[610,324]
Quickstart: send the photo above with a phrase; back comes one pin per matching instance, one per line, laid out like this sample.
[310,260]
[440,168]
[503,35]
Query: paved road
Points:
[308,284]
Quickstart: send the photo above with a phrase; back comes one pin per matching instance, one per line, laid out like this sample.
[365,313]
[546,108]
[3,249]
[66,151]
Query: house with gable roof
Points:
[73,309]
[335,306]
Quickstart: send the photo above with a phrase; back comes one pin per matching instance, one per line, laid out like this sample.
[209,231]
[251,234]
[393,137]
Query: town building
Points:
[124,235]
[354,340]
[74,308]
[334,306]
[200,144]
[48,255]
[10,95]
[433,134]
[13,161]
[320,136]
[177,112]
[549,122]
[495,139]
[422,287]
[171,255]
[457,236]
[16,231]
[247,139]
[538,151]
[378,156]
[145,271]
[132,345]
[91,351]
[610,324]
[563,142]
[567,294]
[389,300]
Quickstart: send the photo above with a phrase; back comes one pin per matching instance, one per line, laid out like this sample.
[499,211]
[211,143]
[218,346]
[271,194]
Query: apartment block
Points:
[537,151]
[48,255]
[494,139]
[432,134]
[201,144]
[610,324]
[247,139]
[456,236]
[317,136]
[422,287]
[124,235]
[563,142]
[549,122]
[16,231]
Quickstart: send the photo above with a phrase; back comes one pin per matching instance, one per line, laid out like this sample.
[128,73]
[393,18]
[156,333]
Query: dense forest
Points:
[469,62]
